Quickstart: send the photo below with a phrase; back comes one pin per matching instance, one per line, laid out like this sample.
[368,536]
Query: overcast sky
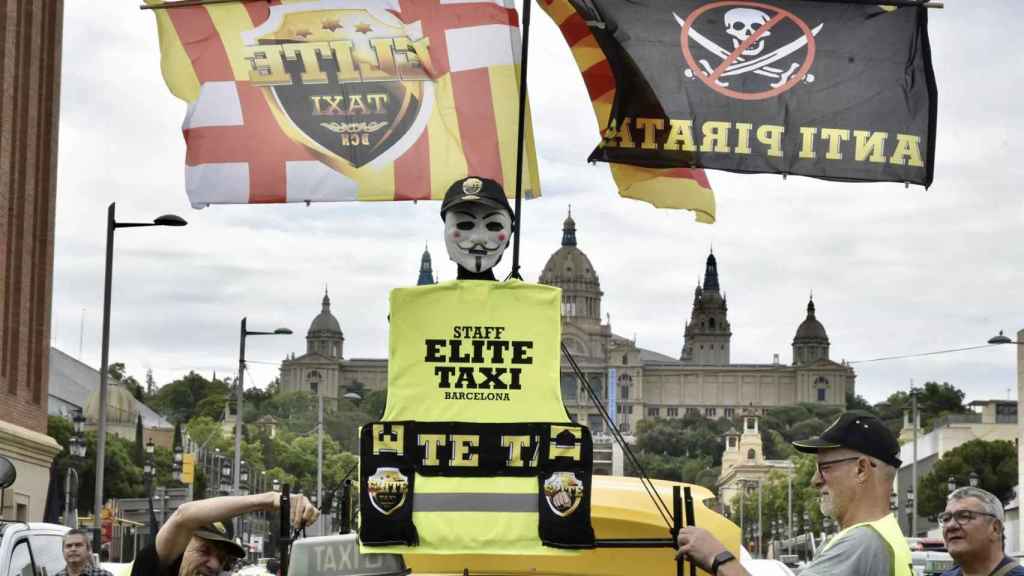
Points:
[894,271]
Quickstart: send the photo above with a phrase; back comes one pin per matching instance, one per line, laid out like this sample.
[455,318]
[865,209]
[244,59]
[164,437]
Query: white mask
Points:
[476,235]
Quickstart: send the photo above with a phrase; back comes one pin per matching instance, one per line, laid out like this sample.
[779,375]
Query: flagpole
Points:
[522,138]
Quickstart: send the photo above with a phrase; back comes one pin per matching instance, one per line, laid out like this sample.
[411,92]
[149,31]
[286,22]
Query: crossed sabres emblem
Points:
[741,23]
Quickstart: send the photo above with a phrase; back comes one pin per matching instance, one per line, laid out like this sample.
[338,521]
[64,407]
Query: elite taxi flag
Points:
[680,187]
[841,91]
[329,100]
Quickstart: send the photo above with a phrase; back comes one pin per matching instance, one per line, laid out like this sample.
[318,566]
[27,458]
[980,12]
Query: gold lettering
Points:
[356,105]
[572,451]
[742,138]
[716,137]
[312,73]
[870,146]
[807,150]
[461,456]
[908,150]
[378,101]
[384,441]
[625,136]
[344,59]
[611,134]
[515,445]
[771,136]
[412,65]
[680,136]
[385,56]
[430,444]
[650,126]
[836,137]
[267,68]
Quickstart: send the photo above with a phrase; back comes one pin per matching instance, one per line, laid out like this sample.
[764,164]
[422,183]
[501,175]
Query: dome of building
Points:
[569,265]
[810,328]
[121,406]
[325,321]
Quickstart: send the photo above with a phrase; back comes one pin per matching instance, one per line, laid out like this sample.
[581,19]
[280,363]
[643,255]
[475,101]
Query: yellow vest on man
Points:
[889,529]
[475,451]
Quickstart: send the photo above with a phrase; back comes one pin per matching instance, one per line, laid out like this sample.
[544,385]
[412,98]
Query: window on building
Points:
[749,423]
[751,455]
[730,412]
[672,412]
[624,427]
[569,387]
[821,394]
[691,411]
[654,412]
[732,441]
[711,412]
[574,417]
[595,422]
[314,387]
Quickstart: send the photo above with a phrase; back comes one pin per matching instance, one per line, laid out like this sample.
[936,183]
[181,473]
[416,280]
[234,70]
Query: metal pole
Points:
[789,506]
[238,413]
[320,453]
[67,498]
[760,523]
[101,426]
[913,466]
[743,494]
[522,138]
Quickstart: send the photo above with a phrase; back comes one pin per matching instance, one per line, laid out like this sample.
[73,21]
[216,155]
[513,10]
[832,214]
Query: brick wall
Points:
[30,40]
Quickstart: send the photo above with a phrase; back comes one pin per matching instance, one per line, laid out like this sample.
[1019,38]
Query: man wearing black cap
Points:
[193,542]
[858,458]
[477,226]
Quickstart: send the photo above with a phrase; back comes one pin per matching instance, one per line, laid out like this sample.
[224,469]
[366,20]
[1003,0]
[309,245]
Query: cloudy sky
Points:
[894,271]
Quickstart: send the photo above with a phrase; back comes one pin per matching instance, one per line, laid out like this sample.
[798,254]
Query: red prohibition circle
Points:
[684,41]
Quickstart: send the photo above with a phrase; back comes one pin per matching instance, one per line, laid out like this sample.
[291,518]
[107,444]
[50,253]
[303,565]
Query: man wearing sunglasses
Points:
[972,526]
[858,458]
[193,541]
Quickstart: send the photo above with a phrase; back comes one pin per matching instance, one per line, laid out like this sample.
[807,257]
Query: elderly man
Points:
[973,529]
[78,556]
[193,541]
[857,463]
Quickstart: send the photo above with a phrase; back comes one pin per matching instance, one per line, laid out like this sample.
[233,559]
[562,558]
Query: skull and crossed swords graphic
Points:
[741,24]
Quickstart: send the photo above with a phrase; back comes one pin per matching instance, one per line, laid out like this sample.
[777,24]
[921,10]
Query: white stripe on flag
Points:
[217,183]
[217,105]
[316,182]
[481,46]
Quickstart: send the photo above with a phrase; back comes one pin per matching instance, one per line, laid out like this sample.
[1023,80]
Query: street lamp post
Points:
[77,451]
[973,479]
[149,472]
[243,332]
[951,484]
[101,428]
[1019,342]
[910,505]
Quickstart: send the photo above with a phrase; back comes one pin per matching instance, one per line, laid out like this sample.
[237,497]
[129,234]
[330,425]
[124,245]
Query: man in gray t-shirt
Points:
[857,459]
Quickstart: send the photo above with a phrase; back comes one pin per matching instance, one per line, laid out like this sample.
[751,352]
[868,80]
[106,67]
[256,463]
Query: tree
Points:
[119,376]
[995,462]
[934,401]
[189,396]
[150,383]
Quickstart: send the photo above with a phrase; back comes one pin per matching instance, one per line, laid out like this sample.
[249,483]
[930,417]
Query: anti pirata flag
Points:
[833,90]
[682,187]
[325,100]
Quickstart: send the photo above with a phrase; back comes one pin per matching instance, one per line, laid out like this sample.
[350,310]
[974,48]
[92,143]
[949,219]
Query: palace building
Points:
[701,380]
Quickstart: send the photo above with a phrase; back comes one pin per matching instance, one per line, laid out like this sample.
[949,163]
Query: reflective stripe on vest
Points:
[889,529]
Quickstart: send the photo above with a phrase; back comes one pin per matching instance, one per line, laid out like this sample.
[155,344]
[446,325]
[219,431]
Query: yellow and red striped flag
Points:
[686,188]
[329,100]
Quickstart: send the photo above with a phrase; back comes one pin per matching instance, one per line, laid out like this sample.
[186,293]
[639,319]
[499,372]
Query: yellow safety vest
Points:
[889,529]
[473,422]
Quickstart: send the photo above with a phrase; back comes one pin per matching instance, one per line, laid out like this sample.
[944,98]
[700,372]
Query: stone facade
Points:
[650,384]
[30,50]
[743,463]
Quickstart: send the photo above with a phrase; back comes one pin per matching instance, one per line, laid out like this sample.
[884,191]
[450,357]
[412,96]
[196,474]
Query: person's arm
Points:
[701,547]
[860,552]
[175,534]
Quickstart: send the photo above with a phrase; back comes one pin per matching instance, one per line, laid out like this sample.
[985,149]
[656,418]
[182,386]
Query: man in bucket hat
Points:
[857,460]
[193,541]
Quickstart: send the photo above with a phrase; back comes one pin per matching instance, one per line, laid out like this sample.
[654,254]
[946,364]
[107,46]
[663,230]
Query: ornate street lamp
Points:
[275,485]
[951,484]
[894,500]
[973,479]
[178,459]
